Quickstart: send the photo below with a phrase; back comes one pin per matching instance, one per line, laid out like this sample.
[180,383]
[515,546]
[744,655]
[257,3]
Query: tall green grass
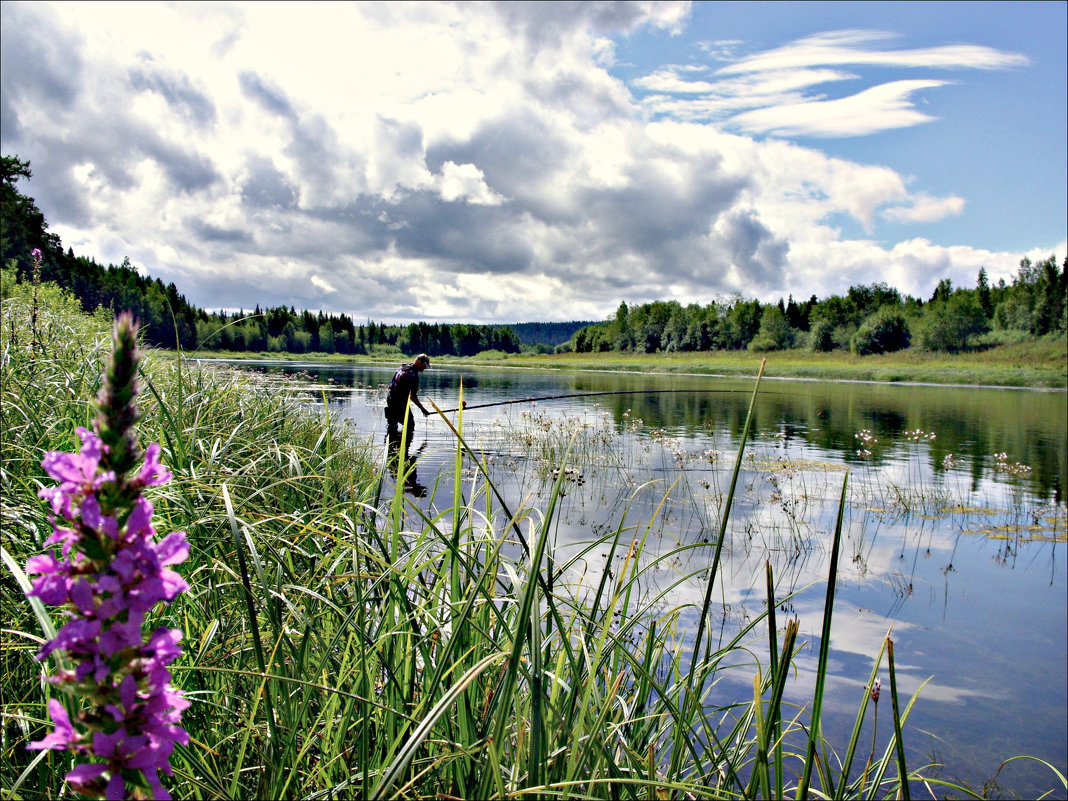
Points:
[342,640]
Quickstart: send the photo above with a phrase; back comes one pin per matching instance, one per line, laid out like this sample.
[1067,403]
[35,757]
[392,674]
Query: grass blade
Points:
[825,647]
[902,771]
[251,608]
[422,731]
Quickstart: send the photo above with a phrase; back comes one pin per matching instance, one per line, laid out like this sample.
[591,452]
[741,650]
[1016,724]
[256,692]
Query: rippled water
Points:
[953,537]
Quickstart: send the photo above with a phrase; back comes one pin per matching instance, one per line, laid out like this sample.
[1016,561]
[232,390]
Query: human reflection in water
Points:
[393,459]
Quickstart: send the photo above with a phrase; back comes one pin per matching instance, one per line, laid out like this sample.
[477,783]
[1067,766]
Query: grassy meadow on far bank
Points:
[1040,364]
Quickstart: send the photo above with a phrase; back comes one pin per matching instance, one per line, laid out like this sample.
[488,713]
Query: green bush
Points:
[775,332]
[885,331]
[821,336]
[843,335]
[949,325]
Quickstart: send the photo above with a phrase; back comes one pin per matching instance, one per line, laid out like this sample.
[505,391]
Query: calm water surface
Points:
[954,534]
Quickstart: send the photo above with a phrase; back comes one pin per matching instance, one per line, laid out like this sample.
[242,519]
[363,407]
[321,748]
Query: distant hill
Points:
[546,333]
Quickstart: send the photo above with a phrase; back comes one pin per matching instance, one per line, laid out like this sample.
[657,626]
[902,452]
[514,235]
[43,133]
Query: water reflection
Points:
[401,461]
[954,532]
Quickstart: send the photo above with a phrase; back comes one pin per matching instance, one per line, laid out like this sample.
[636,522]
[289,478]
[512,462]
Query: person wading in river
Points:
[404,387]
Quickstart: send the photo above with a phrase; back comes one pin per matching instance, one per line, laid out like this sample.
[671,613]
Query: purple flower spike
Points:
[163,645]
[112,574]
[173,549]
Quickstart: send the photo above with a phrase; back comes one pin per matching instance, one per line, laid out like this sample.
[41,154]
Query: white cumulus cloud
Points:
[472,162]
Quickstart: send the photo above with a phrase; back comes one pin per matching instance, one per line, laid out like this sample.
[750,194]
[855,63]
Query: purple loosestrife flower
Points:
[111,573]
[35,255]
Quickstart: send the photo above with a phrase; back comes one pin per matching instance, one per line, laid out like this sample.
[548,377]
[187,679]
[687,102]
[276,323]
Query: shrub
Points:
[775,332]
[843,335]
[885,331]
[948,325]
[821,336]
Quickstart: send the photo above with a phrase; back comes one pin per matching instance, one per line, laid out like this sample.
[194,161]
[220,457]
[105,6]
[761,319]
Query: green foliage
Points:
[775,332]
[843,335]
[551,334]
[821,337]
[22,225]
[836,310]
[437,339]
[982,288]
[1037,300]
[8,279]
[1051,298]
[948,325]
[740,324]
[540,349]
[943,291]
[737,324]
[799,314]
[867,299]
[885,331]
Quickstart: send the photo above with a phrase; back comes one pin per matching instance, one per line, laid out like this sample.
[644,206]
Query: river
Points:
[953,537]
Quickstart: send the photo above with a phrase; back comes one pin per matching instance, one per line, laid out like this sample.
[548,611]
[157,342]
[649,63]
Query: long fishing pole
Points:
[469,406]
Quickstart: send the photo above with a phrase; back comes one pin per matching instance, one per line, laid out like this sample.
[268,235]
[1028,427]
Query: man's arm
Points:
[413,396]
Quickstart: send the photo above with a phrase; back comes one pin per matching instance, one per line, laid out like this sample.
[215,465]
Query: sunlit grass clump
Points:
[344,640]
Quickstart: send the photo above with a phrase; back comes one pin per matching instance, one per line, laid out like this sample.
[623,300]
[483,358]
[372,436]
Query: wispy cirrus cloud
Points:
[880,108]
[668,80]
[774,91]
[720,99]
[853,47]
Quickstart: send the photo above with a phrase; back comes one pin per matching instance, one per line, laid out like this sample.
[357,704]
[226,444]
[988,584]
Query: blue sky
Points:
[507,162]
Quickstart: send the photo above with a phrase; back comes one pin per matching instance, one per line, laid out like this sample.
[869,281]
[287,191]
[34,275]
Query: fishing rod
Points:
[469,406]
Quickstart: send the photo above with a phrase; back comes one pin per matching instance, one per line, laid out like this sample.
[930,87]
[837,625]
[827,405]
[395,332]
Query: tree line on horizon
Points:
[867,319]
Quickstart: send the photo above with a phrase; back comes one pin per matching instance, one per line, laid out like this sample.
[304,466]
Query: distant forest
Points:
[547,334]
[867,319]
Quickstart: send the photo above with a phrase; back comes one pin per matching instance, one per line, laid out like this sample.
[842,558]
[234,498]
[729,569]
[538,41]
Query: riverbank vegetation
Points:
[1041,363]
[868,319]
[342,640]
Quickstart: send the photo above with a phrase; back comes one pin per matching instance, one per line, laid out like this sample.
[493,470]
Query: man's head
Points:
[422,361]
